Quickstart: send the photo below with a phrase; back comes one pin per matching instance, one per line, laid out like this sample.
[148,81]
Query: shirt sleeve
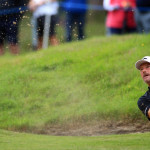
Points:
[144,106]
[107,5]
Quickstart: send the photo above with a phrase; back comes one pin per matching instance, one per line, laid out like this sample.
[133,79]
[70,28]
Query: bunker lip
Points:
[92,129]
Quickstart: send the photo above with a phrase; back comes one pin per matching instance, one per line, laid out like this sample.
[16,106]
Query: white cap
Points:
[142,61]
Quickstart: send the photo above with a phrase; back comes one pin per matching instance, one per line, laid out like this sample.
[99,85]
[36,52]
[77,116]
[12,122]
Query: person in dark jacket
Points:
[142,16]
[143,66]
[10,14]
[75,16]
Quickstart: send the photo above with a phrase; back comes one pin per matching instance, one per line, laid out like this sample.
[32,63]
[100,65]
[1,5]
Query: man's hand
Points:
[34,5]
[148,113]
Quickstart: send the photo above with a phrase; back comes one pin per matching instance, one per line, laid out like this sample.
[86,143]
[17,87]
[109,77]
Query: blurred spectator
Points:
[142,16]
[75,16]
[9,24]
[120,17]
[42,8]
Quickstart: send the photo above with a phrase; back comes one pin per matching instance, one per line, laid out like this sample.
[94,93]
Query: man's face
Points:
[145,72]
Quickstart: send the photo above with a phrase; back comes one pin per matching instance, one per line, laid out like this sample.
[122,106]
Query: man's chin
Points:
[147,81]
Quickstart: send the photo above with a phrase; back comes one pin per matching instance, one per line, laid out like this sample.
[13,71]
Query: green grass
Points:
[75,83]
[16,141]
[79,82]
[72,84]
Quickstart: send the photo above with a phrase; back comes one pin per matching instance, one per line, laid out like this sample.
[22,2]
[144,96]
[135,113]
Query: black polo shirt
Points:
[144,103]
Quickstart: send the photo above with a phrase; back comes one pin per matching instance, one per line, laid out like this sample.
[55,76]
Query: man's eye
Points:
[148,66]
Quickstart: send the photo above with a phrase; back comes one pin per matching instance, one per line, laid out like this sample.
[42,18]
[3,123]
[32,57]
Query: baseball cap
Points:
[142,61]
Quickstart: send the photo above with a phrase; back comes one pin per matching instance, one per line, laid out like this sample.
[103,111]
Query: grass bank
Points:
[80,82]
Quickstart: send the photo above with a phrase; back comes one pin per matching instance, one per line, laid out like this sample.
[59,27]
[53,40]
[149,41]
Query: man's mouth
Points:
[146,75]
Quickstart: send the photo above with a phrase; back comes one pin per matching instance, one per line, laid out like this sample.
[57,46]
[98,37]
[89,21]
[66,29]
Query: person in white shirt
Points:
[40,9]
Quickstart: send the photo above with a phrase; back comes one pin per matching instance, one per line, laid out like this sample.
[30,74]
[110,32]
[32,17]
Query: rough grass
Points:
[83,82]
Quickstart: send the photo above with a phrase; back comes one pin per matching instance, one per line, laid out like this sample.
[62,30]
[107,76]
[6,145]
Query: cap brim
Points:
[139,63]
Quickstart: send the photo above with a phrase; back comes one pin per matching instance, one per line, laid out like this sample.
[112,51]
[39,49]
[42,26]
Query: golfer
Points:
[143,66]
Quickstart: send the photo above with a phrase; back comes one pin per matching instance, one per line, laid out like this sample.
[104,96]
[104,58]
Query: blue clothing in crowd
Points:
[143,3]
[11,7]
[9,22]
[142,16]
[7,4]
[75,5]
[75,16]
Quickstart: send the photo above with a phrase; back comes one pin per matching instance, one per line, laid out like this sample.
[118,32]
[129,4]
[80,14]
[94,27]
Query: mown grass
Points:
[84,81]
[16,141]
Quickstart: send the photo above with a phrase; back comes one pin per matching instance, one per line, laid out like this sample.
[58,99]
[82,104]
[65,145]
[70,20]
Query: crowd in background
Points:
[127,16]
[123,16]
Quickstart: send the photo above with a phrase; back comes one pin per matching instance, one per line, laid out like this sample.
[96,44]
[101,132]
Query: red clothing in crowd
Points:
[117,17]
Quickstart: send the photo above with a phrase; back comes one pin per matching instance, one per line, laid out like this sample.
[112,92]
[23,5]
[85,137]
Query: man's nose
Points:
[144,70]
